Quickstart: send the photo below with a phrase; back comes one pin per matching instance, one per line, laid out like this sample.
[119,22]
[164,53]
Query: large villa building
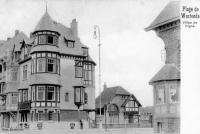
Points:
[166,83]
[46,77]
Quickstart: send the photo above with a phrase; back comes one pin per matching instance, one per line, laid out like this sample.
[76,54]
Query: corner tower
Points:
[45,71]
[166,83]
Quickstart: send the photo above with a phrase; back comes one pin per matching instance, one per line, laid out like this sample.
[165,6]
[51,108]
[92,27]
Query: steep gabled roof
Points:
[169,14]
[131,97]
[166,73]
[45,23]
[108,94]
[9,44]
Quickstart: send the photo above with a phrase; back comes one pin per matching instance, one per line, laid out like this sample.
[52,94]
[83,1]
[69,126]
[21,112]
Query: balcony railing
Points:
[26,105]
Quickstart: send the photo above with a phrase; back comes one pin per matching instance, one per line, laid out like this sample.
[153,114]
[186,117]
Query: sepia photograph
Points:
[90,66]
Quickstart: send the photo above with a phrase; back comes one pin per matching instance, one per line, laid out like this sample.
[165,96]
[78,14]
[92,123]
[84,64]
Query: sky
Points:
[130,56]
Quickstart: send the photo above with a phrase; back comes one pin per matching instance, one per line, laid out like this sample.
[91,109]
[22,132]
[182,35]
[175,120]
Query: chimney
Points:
[104,86]
[74,27]
[16,32]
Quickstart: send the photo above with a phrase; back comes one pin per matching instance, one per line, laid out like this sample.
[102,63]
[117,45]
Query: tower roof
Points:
[166,73]
[169,14]
[45,23]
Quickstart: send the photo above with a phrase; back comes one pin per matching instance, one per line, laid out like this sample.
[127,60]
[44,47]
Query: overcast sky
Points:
[130,56]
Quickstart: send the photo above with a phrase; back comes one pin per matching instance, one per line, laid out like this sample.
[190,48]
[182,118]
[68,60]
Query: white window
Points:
[25,72]
[41,93]
[42,39]
[51,93]
[41,65]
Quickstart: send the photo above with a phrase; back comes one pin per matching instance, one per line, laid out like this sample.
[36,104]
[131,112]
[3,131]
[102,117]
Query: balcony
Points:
[26,105]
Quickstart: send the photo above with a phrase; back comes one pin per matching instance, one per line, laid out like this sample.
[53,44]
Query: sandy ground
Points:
[87,131]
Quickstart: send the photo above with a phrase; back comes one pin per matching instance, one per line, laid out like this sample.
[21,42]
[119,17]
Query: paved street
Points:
[88,131]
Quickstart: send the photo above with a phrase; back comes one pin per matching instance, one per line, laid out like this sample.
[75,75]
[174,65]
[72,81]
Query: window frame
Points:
[88,73]
[67,41]
[79,65]
[25,72]
[43,99]
[46,56]
[54,96]
[14,100]
[53,65]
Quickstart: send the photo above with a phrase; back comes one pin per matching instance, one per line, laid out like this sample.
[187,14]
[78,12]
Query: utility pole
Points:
[97,35]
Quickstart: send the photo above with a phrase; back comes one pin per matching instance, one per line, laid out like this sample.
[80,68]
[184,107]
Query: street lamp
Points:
[79,98]
[97,35]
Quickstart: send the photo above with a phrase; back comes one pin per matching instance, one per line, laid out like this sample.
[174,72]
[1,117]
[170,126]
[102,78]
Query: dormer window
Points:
[69,43]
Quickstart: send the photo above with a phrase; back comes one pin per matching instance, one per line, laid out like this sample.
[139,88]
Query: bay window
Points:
[45,62]
[45,93]
[79,95]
